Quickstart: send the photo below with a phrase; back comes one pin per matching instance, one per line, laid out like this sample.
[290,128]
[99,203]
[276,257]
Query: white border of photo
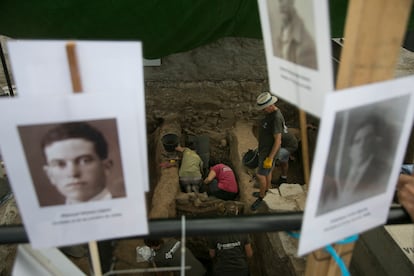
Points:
[78,223]
[339,223]
[299,85]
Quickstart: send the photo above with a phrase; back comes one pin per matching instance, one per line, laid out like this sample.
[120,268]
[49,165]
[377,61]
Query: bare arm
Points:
[248,250]
[405,193]
[211,175]
[276,145]
[212,253]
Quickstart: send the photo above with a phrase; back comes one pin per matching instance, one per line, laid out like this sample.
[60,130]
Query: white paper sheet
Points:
[306,80]
[40,68]
[51,223]
[339,206]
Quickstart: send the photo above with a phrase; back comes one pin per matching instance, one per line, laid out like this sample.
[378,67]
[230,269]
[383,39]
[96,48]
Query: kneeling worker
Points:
[221,182]
[190,170]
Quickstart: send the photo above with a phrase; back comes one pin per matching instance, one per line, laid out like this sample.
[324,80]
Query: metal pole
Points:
[291,221]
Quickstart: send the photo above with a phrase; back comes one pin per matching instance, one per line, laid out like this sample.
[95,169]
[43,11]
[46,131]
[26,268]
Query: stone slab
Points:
[290,189]
[277,203]
[301,201]
[290,244]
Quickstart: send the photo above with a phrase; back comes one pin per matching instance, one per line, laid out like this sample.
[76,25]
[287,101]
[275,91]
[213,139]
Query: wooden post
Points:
[77,88]
[305,145]
[373,37]
[94,255]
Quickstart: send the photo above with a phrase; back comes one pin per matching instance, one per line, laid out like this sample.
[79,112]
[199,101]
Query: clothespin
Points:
[77,88]
[74,67]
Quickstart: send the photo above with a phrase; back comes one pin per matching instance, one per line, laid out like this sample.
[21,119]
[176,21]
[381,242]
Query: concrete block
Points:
[290,189]
[376,253]
[299,265]
[276,244]
[290,244]
[301,201]
[403,235]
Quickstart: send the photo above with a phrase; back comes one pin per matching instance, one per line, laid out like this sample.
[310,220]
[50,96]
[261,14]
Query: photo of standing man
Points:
[291,37]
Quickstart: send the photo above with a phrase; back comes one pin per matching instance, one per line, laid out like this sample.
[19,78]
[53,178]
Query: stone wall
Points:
[211,87]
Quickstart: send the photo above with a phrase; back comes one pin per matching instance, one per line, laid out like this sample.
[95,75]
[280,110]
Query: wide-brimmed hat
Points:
[264,100]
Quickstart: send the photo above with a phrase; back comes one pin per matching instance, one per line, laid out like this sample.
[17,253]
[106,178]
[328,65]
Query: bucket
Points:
[170,142]
[251,159]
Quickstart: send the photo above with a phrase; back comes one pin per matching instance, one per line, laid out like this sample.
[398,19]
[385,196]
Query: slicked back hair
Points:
[77,130]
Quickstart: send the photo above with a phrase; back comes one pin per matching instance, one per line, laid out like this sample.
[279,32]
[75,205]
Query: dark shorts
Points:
[282,156]
[214,190]
[186,180]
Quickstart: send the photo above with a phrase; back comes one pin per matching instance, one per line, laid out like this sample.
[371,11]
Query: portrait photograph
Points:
[297,42]
[292,31]
[362,141]
[40,70]
[75,166]
[363,148]
[74,162]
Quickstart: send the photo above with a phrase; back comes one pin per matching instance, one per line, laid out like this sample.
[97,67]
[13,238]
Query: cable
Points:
[332,252]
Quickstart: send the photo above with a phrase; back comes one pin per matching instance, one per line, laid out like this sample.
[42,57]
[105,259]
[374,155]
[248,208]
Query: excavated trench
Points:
[167,201]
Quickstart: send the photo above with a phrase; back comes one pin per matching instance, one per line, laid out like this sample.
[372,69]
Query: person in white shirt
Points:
[77,162]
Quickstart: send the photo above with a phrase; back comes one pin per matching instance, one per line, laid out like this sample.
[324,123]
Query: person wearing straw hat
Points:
[275,145]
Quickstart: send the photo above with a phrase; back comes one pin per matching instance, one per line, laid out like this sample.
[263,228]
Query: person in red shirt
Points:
[221,182]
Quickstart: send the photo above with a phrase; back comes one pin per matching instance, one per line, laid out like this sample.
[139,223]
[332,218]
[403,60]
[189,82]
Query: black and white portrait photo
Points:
[363,148]
[362,141]
[297,42]
[77,162]
[291,26]
[74,162]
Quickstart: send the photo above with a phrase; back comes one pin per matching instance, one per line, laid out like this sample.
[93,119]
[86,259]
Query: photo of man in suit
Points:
[291,37]
[76,162]
[359,162]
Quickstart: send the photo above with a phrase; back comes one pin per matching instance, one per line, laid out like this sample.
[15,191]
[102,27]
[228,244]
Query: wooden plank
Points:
[373,36]
[305,145]
[374,33]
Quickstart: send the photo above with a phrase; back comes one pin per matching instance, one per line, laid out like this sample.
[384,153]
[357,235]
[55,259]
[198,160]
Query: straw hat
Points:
[264,100]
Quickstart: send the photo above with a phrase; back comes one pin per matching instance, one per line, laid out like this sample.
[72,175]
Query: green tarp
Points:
[164,26]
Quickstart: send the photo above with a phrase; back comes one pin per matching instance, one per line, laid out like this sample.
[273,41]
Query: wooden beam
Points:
[373,36]
[374,32]
[305,145]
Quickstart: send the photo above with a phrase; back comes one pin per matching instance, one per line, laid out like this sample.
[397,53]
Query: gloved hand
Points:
[267,163]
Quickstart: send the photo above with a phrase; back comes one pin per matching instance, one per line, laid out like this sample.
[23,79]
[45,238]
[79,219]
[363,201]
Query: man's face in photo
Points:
[75,169]
[360,146]
[286,6]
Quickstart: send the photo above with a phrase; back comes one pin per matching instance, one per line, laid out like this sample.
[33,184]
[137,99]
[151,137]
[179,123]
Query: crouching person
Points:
[190,170]
[221,182]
